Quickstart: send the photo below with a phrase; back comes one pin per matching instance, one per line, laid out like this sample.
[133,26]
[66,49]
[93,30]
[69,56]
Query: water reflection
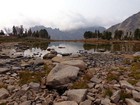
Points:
[122,47]
[74,47]
[66,47]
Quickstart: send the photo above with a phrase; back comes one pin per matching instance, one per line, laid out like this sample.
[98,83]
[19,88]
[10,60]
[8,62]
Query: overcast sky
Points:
[66,14]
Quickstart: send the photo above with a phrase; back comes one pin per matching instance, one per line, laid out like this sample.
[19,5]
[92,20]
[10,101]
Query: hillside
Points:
[128,25]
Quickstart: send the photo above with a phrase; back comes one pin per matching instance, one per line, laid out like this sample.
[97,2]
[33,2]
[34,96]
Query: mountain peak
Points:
[128,25]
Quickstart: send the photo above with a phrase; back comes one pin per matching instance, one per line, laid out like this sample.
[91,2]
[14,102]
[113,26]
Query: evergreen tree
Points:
[2,32]
[137,34]
[30,32]
[43,34]
[118,34]
[14,30]
[107,35]
[88,34]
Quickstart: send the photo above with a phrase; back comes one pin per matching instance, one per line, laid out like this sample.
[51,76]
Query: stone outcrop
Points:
[62,74]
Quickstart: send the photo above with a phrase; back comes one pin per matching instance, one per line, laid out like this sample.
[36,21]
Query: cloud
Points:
[64,21]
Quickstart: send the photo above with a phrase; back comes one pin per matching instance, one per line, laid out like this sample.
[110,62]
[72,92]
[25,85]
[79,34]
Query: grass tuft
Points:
[30,76]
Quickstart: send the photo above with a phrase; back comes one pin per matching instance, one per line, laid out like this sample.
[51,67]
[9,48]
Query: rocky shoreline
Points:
[77,79]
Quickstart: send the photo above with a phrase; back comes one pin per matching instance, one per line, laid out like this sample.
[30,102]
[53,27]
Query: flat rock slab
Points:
[96,80]
[136,95]
[26,103]
[77,95]
[86,102]
[125,84]
[66,103]
[131,102]
[62,74]
[3,70]
[77,63]
[60,59]
[3,93]
[116,96]
[106,101]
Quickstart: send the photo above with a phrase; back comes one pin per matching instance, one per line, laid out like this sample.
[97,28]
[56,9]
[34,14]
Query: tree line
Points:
[117,35]
[20,31]
[98,35]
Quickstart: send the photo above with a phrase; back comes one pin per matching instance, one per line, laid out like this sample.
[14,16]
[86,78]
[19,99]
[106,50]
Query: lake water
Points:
[74,47]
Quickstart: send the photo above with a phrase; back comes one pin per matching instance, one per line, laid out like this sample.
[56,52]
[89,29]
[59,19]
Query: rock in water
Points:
[62,74]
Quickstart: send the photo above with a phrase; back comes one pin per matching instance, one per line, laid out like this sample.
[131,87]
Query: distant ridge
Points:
[75,34]
[128,25]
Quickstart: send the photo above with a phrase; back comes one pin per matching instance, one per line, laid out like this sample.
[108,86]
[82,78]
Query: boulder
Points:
[136,54]
[77,63]
[58,59]
[4,57]
[116,96]
[66,103]
[49,56]
[10,88]
[38,62]
[26,103]
[4,69]
[34,86]
[53,52]
[131,102]
[125,84]
[95,80]
[3,93]
[106,101]
[77,95]
[86,102]
[62,74]
[136,95]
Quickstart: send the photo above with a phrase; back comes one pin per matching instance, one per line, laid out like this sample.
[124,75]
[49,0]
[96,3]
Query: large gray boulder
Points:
[77,63]
[3,93]
[77,95]
[62,74]
[131,102]
[66,103]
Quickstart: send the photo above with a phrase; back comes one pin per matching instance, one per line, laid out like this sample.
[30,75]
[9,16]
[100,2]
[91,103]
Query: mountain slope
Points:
[128,25]
[76,34]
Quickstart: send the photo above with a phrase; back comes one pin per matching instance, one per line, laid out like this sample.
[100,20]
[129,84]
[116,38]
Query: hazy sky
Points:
[66,14]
